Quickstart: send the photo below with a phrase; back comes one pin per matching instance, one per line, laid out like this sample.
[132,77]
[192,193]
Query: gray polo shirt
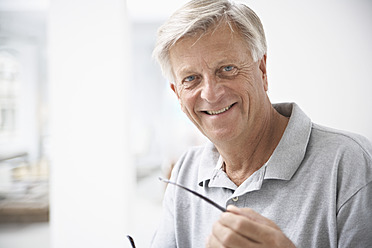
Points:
[317,187]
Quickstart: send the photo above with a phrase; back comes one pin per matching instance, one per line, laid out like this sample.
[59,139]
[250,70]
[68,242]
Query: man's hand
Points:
[243,227]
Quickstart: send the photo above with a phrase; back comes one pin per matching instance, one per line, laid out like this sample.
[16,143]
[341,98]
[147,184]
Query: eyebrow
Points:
[185,70]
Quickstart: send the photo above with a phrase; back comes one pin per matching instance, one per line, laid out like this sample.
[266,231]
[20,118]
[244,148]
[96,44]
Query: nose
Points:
[211,91]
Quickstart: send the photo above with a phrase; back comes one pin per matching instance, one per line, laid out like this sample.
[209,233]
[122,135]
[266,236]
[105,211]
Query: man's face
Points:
[219,86]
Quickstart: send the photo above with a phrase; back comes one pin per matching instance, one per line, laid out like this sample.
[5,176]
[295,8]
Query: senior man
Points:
[286,181]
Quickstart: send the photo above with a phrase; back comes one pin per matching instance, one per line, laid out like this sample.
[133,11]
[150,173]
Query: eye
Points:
[228,71]
[228,68]
[189,79]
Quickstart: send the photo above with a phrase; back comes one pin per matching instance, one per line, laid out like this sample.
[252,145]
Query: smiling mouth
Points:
[218,111]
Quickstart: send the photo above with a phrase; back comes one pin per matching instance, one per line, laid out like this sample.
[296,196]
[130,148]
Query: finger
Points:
[246,227]
[267,235]
[212,242]
[252,215]
[228,237]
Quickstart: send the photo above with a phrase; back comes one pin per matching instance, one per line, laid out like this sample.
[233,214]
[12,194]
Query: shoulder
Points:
[188,164]
[346,156]
[192,154]
[329,139]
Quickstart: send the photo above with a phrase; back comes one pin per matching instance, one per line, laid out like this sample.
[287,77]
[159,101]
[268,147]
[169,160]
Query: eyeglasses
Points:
[131,241]
[195,193]
[191,191]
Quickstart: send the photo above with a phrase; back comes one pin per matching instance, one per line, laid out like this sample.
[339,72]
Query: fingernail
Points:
[233,208]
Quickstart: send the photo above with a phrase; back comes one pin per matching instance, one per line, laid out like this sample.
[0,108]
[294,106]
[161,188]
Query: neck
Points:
[243,157]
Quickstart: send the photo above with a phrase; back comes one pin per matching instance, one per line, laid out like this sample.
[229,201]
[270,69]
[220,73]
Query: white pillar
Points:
[92,175]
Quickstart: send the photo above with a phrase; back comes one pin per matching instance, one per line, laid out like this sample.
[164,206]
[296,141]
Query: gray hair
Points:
[197,16]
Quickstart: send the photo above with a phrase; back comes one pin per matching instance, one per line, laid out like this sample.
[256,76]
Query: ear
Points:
[174,88]
[263,72]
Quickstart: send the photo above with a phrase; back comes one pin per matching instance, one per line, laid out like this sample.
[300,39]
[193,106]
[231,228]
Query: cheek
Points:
[188,101]
[183,95]
[253,85]
[244,86]
[183,99]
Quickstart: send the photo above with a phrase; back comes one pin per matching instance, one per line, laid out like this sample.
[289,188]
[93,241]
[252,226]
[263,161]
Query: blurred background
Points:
[88,123]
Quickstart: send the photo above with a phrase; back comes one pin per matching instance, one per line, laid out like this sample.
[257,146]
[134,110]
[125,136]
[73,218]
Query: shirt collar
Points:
[291,149]
[285,159]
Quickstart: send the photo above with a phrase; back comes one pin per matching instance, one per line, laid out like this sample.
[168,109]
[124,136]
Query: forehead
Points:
[218,44]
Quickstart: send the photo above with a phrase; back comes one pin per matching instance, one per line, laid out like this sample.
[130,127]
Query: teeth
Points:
[218,111]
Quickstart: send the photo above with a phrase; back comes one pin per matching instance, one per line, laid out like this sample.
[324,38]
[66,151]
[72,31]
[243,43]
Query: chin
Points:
[221,137]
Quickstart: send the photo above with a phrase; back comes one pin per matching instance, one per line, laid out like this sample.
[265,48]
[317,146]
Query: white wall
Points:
[92,176]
